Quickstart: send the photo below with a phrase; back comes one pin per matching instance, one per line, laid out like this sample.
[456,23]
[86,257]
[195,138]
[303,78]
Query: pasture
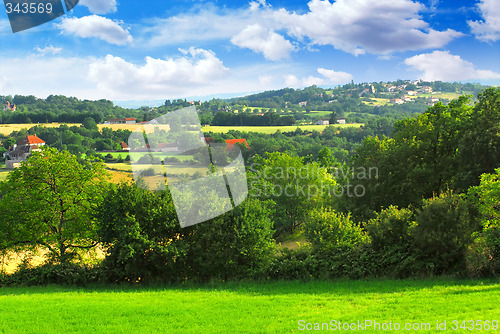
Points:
[274,307]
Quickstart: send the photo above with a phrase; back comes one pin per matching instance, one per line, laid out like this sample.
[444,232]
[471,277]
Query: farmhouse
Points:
[22,150]
[341,120]
[124,146]
[397,101]
[121,121]
[324,121]
[231,142]
[303,103]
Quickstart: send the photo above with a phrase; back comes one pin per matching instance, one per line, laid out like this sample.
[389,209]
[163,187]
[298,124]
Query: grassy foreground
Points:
[246,307]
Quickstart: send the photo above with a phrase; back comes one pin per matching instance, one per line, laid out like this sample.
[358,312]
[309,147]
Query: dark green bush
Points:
[62,274]
[142,232]
[238,244]
[327,229]
[443,232]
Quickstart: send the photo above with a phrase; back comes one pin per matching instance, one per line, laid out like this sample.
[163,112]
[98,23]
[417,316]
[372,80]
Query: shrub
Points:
[390,228]
[142,232]
[238,244]
[62,274]
[390,238]
[443,233]
[328,229]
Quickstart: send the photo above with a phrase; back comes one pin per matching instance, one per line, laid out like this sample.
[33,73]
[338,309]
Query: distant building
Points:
[341,120]
[425,89]
[121,121]
[231,142]
[22,150]
[303,103]
[324,121]
[397,101]
[124,146]
[9,107]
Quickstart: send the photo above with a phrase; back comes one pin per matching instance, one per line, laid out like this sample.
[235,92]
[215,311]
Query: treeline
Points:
[58,108]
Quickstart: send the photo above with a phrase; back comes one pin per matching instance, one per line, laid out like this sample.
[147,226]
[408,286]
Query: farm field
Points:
[275,307]
[7,129]
[272,129]
[379,102]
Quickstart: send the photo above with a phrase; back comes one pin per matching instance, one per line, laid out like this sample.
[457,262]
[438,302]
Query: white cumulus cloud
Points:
[100,6]
[267,42]
[329,77]
[441,65]
[95,26]
[335,77]
[489,28]
[194,69]
[360,26]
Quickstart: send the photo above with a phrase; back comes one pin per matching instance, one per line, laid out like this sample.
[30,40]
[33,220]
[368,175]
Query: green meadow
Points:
[275,307]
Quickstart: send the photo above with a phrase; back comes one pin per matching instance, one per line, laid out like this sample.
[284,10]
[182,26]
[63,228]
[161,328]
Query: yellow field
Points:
[273,129]
[379,102]
[7,129]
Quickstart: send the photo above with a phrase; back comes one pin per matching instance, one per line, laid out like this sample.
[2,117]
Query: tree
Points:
[295,186]
[89,124]
[49,202]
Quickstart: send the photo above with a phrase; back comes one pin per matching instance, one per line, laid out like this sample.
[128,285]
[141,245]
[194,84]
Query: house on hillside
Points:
[121,121]
[324,121]
[22,150]
[397,101]
[341,120]
[303,103]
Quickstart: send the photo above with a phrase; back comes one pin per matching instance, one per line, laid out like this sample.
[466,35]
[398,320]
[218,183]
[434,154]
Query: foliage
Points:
[238,244]
[390,228]
[49,201]
[444,229]
[484,255]
[142,234]
[295,186]
[327,229]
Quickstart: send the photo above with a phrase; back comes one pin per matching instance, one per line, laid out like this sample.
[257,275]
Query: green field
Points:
[272,129]
[248,308]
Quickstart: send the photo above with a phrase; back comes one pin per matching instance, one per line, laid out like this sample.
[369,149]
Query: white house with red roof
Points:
[22,150]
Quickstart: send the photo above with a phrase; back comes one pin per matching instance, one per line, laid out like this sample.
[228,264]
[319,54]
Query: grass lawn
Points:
[247,307]
[272,129]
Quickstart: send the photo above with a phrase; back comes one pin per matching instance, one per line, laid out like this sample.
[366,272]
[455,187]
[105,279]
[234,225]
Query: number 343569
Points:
[29,8]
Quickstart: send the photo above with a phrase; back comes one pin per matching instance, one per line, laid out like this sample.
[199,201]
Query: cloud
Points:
[330,77]
[489,28]
[335,77]
[172,76]
[48,50]
[360,26]
[443,66]
[100,6]
[43,76]
[259,39]
[96,27]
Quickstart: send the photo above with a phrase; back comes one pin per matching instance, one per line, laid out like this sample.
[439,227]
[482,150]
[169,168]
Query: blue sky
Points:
[153,50]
